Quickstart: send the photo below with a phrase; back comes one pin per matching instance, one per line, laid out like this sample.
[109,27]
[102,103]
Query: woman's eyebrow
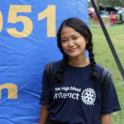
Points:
[74,35]
[71,36]
[63,38]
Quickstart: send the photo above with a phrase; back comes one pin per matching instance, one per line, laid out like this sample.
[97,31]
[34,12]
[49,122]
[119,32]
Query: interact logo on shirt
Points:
[67,95]
[88,95]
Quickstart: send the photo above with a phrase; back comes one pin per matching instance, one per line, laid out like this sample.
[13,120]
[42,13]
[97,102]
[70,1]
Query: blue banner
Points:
[27,42]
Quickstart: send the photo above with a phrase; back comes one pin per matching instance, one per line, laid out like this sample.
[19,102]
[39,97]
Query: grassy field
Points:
[104,57]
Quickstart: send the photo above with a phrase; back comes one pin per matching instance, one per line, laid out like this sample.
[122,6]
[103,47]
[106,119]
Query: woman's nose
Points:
[70,43]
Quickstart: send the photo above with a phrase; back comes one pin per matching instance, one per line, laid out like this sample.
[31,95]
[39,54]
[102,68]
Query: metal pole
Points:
[109,41]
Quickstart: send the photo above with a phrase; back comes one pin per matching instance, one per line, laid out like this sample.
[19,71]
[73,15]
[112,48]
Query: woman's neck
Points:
[79,62]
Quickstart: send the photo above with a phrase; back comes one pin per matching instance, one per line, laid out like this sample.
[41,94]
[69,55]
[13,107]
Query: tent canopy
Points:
[110,8]
[101,8]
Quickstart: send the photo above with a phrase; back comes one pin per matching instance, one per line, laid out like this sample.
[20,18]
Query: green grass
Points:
[104,57]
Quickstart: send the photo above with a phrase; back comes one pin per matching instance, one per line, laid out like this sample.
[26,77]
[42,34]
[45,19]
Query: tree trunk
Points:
[97,4]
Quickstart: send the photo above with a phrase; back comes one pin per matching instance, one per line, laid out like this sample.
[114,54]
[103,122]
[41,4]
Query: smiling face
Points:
[73,43]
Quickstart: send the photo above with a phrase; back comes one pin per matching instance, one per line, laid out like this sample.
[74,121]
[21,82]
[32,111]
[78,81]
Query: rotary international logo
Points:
[88,96]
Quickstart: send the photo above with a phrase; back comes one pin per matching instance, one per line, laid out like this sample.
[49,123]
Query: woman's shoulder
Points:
[99,69]
[56,65]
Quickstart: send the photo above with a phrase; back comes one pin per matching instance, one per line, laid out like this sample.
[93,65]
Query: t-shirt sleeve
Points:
[110,101]
[46,97]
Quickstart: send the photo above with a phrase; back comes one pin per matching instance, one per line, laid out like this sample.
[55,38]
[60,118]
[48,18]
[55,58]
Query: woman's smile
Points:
[73,49]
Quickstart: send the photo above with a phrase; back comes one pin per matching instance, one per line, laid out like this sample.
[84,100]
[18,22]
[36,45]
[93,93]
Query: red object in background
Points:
[113,18]
[90,11]
[95,18]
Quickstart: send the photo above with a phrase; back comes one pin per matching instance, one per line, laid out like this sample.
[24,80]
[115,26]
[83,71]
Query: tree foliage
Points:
[113,2]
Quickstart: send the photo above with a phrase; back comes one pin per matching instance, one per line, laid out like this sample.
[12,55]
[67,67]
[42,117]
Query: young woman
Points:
[73,95]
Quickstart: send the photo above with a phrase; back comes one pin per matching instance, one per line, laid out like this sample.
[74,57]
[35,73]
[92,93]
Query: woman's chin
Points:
[73,56]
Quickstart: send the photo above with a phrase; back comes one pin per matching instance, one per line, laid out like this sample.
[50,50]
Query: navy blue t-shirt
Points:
[78,100]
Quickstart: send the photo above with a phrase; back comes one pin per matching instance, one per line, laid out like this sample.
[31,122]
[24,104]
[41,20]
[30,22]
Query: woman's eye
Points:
[75,38]
[64,40]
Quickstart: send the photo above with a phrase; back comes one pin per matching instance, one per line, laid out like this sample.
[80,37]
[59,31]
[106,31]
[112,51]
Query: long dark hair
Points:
[83,29]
